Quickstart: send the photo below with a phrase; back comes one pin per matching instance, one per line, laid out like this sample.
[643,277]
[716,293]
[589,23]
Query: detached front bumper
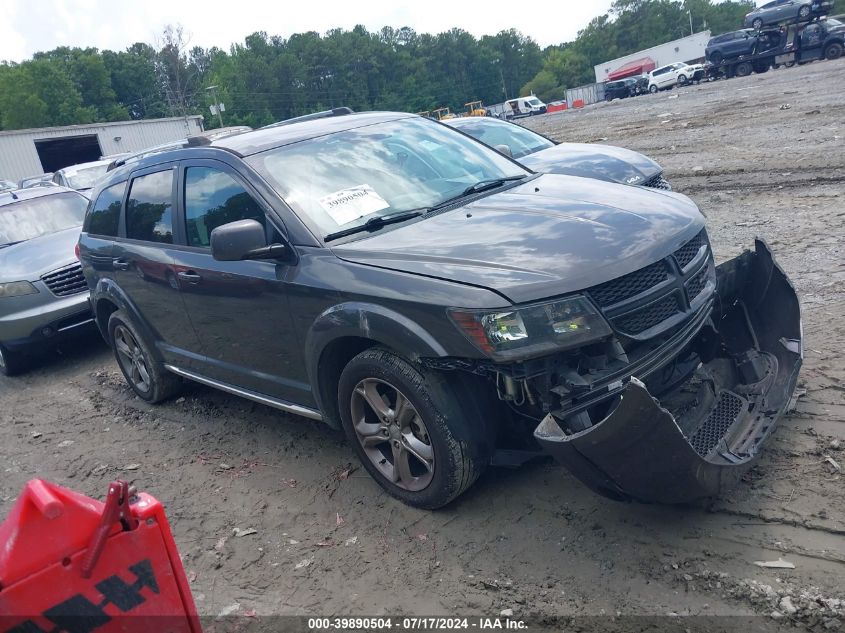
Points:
[701,438]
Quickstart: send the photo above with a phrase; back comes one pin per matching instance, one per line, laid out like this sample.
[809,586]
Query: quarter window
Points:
[105,214]
[149,209]
[214,198]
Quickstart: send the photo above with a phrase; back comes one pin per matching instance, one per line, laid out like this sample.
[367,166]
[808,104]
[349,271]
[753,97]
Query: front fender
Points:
[366,321]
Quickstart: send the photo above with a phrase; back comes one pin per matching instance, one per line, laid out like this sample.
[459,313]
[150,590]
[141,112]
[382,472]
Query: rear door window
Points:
[149,208]
[105,214]
[214,198]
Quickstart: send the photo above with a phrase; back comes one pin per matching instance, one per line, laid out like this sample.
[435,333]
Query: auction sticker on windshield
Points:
[348,205]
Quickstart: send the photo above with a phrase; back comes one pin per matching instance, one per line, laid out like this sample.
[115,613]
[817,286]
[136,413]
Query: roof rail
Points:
[341,111]
[197,140]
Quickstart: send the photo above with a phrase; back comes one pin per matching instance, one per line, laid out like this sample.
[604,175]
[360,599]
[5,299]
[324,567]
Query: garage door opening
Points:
[56,153]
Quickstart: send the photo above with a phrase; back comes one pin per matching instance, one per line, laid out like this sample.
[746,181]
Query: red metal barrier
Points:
[556,107]
[71,563]
[578,103]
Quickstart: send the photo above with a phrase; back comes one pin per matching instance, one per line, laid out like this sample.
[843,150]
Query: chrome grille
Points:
[66,281]
[658,182]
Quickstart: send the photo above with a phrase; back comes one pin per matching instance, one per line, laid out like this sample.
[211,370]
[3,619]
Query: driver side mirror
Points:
[504,149]
[244,239]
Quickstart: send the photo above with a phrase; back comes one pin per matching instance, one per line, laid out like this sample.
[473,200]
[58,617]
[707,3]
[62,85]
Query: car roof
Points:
[252,142]
[12,196]
[261,140]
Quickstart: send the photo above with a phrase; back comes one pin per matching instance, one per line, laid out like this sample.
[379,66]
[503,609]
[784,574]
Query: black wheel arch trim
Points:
[108,290]
[372,322]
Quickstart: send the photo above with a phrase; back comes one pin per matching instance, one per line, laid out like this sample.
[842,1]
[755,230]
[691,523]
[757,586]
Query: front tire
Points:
[682,80]
[804,12]
[716,58]
[757,24]
[833,51]
[147,377]
[410,430]
[11,363]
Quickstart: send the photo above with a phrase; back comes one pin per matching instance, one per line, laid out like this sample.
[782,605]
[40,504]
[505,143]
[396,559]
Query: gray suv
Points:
[43,295]
[445,306]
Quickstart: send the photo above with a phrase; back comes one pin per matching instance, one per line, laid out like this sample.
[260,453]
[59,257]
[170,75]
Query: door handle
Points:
[120,264]
[190,276]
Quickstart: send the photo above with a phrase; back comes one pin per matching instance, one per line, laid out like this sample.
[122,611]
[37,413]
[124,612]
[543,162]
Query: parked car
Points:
[524,106]
[665,77]
[82,177]
[730,45]
[446,306]
[43,295]
[34,181]
[620,89]
[541,154]
[786,10]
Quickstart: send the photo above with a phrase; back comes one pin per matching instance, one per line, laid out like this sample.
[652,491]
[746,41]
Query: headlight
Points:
[17,289]
[532,330]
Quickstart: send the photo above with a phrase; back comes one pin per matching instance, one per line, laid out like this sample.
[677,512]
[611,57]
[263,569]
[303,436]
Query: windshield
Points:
[341,180]
[27,219]
[493,132]
[85,177]
[533,101]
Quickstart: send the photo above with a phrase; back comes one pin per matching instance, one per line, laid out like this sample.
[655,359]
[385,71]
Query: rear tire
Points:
[833,51]
[11,363]
[743,69]
[757,24]
[716,58]
[422,443]
[804,12]
[147,376]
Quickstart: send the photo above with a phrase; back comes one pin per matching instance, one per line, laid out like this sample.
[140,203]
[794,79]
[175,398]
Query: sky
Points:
[29,26]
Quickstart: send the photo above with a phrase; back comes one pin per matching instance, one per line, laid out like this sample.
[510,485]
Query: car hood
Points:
[605,162]
[29,260]
[549,236]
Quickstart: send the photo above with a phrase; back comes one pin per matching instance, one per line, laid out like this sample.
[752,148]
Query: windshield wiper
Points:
[373,224]
[478,187]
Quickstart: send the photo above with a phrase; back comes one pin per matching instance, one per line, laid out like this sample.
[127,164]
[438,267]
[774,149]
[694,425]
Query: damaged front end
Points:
[705,432]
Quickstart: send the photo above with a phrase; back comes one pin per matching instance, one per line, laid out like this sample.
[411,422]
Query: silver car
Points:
[43,295]
[786,10]
[82,177]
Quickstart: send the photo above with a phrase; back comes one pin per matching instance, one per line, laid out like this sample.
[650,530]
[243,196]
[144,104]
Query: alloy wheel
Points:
[131,359]
[392,433]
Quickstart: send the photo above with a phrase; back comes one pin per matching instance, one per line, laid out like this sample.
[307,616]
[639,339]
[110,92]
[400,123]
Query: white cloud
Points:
[28,27]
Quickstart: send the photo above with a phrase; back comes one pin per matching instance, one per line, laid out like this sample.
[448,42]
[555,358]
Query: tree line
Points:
[267,78]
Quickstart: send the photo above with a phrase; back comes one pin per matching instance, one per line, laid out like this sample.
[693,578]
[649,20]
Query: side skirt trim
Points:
[245,393]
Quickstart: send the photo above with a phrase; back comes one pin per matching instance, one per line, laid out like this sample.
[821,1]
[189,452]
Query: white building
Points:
[36,151]
[686,49]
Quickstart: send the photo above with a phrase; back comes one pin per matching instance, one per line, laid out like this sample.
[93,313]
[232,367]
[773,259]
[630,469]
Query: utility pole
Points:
[690,21]
[216,106]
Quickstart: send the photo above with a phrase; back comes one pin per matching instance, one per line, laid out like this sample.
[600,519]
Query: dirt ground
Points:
[762,155]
